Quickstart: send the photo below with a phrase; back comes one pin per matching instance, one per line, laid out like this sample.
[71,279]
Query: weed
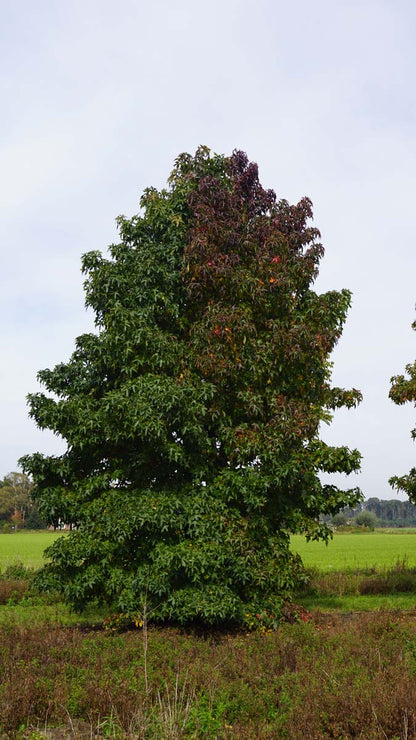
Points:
[110,728]
[173,713]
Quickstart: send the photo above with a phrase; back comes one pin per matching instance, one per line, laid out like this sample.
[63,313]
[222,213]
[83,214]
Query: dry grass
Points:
[354,581]
[350,677]
[13,590]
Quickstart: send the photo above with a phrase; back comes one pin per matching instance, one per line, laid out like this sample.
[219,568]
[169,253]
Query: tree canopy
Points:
[192,416]
[403,390]
[15,499]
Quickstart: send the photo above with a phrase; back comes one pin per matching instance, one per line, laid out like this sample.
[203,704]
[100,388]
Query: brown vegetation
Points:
[12,590]
[398,579]
[349,677]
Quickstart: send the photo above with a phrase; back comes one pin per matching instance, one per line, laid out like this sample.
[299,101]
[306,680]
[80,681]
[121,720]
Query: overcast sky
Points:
[99,97]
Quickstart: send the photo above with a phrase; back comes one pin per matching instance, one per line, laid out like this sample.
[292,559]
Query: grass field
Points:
[347,550]
[25,547]
[358,550]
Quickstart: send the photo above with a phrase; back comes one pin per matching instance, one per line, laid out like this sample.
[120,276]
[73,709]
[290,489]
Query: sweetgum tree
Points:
[403,389]
[192,416]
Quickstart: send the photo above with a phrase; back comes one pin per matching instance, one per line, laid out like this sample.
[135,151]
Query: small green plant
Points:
[28,733]
[206,717]
[109,728]
[265,621]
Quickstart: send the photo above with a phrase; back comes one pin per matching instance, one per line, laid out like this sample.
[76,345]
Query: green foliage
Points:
[14,496]
[389,513]
[192,417]
[33,519]
[392,513]
[366,519]
[403,390]
[339,520]
[16,506]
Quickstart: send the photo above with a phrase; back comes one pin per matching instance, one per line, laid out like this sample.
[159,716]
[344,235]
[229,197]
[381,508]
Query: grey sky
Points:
[99,97]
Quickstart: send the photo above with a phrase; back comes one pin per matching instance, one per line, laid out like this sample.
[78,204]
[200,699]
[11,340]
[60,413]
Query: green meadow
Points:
[380,549]
[25,547]
[351,550]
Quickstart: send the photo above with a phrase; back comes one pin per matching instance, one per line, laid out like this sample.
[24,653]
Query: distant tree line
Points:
[384,513]
[17,510]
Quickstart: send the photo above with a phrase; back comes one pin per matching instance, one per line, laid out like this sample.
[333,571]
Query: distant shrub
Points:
[339,520]
[366,519]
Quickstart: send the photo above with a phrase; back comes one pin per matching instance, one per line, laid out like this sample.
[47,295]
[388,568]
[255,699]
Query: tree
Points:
[33,519]
[366,519]
[376,506]
[403,390]
[15,501]
[6,504]
[192,417]
[339,520]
